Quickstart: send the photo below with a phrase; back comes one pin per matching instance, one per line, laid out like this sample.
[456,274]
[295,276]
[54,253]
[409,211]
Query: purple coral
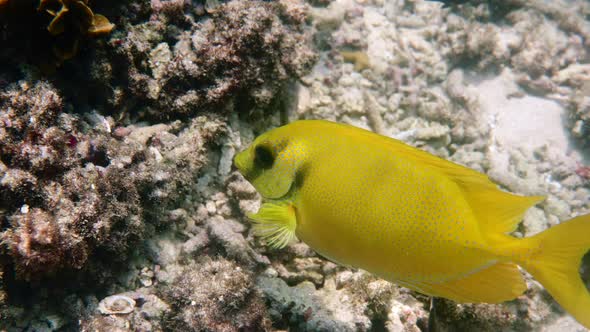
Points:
[60,196]
[68,189]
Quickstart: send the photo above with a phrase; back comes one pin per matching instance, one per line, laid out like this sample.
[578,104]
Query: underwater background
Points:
[119,120]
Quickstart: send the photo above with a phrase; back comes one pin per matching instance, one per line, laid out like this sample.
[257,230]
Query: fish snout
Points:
[240,162]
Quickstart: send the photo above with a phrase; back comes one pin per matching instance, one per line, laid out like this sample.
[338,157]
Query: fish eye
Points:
[263,157]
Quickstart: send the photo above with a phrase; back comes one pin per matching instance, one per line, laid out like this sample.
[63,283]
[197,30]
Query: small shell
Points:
[116,305]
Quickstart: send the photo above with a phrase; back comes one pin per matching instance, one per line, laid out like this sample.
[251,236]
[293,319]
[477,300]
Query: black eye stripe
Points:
[263,157]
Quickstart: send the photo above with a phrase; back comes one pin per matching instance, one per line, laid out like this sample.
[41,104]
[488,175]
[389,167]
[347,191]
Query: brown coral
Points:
[74,10]
[38,246]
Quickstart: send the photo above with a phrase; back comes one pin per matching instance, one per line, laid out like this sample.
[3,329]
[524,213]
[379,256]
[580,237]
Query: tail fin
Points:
[558,262]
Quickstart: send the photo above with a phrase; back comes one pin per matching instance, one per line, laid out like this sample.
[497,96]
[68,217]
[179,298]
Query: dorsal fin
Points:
[497,212]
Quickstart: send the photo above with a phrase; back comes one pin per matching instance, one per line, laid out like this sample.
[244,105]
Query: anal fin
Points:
[494,284]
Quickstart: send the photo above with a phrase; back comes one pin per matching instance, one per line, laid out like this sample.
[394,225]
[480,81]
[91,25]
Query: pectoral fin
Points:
[275,223]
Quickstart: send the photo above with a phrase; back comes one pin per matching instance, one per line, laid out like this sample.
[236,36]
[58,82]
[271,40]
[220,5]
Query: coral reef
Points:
[70,191]
[546,45]
[440,79]
[450,316]
[124,189]
[67,189]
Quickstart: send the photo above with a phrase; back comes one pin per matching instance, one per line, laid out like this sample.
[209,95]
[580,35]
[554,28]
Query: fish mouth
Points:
[242,165]
[239,161]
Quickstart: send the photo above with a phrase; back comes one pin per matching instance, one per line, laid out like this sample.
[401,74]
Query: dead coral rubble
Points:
[139,310]
[544,43]
[215,295]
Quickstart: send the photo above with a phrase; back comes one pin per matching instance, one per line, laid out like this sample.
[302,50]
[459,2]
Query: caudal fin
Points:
[558,262]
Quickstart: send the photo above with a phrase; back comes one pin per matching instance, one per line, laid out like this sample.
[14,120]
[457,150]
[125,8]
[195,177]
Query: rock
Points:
[116,305]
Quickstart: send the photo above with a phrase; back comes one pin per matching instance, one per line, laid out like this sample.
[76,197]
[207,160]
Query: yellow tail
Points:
[557,265]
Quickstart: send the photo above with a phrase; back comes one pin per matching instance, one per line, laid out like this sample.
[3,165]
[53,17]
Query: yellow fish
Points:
[375,203]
